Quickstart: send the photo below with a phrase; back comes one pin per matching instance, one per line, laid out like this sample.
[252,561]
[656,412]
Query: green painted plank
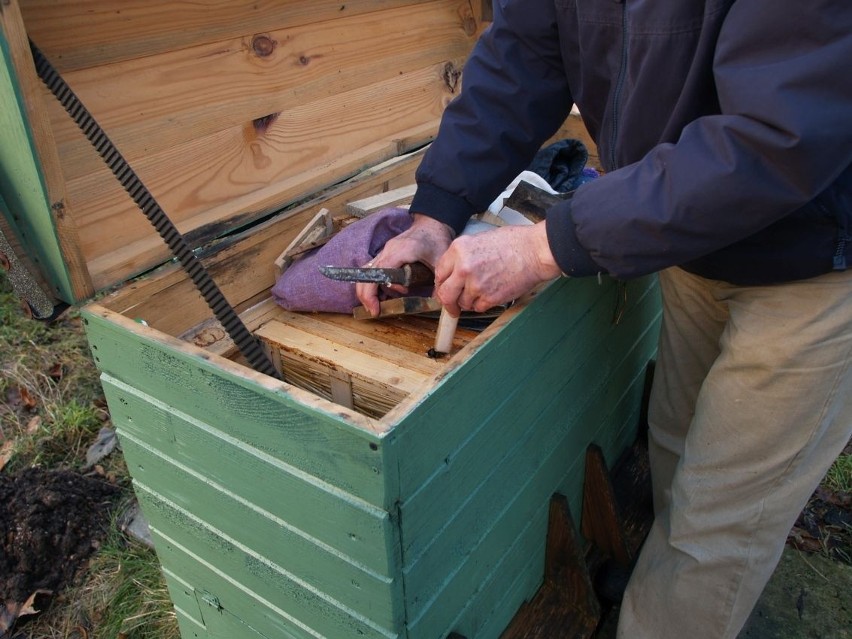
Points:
[571,369]
[188,628]
[183,597]
[487,613]
[508,599]
[311,513]
[22,183]
[470,394]
[341,589]
[212,506]
[262,416]
[569,364]
[210,619]
[480,534]
[245,585]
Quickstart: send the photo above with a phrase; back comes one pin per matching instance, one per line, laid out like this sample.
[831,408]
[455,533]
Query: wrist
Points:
[430,224]
[549,268]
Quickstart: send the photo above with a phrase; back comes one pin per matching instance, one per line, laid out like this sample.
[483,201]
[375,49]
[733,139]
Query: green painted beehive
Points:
[275,511]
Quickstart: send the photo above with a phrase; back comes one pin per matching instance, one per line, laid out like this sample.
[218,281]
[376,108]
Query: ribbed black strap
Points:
[223,311]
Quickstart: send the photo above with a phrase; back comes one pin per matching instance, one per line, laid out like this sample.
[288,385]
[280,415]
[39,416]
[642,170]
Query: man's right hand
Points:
[425,241]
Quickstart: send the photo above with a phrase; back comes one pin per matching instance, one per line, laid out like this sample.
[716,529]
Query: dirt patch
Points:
[50,523]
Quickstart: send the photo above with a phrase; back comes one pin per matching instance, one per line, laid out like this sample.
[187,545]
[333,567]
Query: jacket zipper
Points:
[839,259]
[616,97]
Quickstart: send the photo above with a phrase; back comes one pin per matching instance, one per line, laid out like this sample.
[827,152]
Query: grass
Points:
[839,476]
[51,410]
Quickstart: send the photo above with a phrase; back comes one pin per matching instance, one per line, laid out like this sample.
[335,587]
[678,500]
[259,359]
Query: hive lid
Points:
[228,112]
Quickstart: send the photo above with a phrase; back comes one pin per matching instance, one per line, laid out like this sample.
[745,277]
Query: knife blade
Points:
[407,275]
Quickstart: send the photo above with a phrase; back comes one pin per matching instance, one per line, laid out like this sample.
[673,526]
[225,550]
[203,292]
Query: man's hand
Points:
[425,241]
[481,271]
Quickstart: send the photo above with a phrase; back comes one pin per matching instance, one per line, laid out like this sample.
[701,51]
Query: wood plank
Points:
[321,226]
[211,335]
[566,604]
[183,597]
[529,473]
[490,609]
[533,476]
[38,194]
[160,102]
[223,180]
[315,513]
[253,592]
[309,361]
[221,513]
[85,33]
[506,363]
[331,443]
[396,197]
[574,374]
[591,309]
[414,334]
[389,341]
[168,301]
[601,517]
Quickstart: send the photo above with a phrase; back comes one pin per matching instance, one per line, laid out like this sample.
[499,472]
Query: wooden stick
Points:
[446,332]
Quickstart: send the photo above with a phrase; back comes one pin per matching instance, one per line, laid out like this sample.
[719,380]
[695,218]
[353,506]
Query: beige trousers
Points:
[750,406]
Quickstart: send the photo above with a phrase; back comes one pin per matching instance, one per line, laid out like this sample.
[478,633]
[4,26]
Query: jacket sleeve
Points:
[515,95]
[784,135]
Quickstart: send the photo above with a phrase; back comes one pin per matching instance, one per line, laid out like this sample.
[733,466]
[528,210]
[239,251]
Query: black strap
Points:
[224,312]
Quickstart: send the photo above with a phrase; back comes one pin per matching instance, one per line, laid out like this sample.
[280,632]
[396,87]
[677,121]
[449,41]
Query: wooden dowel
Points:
[446,332]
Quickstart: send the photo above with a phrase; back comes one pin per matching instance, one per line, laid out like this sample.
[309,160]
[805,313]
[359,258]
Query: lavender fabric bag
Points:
[303,288]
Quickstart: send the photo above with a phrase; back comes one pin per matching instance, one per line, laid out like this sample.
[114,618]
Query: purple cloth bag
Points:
[303,288]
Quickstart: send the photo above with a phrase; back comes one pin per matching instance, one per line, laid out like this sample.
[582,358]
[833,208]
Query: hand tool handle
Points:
[446,332]
[417,274]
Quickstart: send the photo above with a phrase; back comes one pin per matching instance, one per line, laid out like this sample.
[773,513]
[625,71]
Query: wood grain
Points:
[86,33]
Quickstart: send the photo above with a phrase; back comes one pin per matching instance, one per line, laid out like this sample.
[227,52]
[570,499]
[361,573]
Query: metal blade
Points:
[365,274]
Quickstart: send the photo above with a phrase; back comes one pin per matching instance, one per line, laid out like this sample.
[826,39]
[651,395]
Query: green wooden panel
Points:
[22,183]
[523,483]
[353,593]
[193,459]
[566,372]
[214,508]
[183,597]
[472,393]
[223,605]
[600,399]
[244,584]
[320,444]
[188,628]
[487,613]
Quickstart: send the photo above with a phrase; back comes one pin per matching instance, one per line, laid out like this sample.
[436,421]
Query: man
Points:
[725,129]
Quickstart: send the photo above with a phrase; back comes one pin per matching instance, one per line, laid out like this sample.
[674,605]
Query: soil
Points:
[50,523]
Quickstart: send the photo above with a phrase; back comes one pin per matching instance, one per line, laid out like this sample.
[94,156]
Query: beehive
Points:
[276,511]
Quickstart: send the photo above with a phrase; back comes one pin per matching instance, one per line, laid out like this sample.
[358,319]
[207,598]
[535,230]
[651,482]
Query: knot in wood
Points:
[451,76]
[263,45]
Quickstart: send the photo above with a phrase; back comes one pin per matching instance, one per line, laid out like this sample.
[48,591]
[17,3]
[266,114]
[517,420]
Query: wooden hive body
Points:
[277,512]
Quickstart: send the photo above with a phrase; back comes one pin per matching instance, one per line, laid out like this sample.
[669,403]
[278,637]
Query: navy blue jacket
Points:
[724,128]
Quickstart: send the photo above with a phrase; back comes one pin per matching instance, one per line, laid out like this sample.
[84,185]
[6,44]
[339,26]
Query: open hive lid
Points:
[228,112]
